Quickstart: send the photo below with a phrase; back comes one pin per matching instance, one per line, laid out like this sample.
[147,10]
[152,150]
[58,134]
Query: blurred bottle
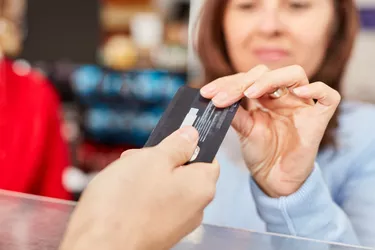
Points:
[86,79]
[147,86]
[144,124]
[147,32]
[120,53]
[171,57]
[128,2]
[121,126]
[115,15]
[111,84]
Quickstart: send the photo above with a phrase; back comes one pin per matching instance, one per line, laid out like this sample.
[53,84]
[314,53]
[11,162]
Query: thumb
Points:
[179,147]
[243,123]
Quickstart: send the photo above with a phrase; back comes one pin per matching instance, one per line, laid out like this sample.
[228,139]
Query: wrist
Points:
[93,242]
[281,188]
[99,236]
[280,192]
[275,190]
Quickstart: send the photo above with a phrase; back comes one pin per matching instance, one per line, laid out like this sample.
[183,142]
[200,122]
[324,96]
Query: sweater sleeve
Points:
[310,212]
[357,197]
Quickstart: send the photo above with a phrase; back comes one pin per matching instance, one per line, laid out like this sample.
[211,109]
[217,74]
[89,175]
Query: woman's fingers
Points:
[260,81]
[288,77]
[254,84]
[326,96]
[227,90]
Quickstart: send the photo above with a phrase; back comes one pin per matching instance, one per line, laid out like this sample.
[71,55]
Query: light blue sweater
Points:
[336,203]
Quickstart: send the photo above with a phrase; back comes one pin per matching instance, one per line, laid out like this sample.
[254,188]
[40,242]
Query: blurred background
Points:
[116,64]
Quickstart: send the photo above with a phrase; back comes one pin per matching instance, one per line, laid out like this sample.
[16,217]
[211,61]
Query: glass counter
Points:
[36,223]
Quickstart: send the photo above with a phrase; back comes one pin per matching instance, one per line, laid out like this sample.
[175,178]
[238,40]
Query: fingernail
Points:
[220,98]
[189,133]
[208,89]
[300,90]
[250,91]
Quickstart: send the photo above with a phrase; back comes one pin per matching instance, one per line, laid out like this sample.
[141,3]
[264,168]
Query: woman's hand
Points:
[280,136]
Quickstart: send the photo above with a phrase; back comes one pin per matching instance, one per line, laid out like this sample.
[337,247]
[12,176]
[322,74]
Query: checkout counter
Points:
[37,223]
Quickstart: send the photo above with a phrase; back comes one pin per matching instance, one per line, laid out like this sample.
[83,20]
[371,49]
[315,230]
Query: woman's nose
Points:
[269,22]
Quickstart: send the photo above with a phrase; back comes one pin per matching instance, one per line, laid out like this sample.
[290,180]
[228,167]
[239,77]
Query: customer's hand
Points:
[145,200]
[280,136]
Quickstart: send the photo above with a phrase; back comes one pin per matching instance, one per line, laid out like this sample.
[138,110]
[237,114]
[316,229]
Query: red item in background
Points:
[33,154]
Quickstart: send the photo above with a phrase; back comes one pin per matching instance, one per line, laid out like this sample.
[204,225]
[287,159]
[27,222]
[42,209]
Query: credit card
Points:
[189,108]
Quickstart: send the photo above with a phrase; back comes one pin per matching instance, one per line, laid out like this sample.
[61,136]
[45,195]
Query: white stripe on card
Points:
[190,118]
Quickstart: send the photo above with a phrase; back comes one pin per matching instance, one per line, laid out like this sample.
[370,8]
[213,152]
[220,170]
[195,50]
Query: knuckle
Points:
[218,82]
[206,187]
[229,78]
[298,69]
[321,85]
[209,194]
[242,74]
[241,87]
[208,173]
[198,219]
[130,152]
[261,68]
[241,83]
[215,173]
[210,187]
[336,96]
[274,86]
[125,154]
[328,91]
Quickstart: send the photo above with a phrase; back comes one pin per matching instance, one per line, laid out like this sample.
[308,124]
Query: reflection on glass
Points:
[35,223]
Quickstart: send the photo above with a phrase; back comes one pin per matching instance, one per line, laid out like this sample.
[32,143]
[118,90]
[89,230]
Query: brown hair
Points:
[212,52]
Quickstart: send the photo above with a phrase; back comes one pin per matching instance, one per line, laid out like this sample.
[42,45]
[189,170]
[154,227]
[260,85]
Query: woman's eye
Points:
[299,5]
[246,5]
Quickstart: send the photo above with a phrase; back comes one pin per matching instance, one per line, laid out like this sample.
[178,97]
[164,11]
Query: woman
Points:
[311,175]
[33,154]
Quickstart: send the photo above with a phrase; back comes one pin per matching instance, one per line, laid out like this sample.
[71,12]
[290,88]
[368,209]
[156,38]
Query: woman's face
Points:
[278,33]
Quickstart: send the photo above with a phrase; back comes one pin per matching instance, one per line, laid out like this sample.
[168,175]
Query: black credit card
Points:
[189,108]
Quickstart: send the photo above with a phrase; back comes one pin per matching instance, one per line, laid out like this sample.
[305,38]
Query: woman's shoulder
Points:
[357,123]
[26,80]
[355,137]
[354,154]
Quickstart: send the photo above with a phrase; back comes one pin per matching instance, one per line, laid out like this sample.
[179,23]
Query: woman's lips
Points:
[270,55]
